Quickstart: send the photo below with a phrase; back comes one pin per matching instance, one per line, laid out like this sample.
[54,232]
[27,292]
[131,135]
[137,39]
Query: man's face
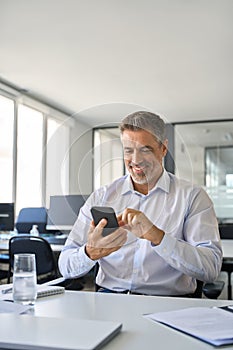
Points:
[143,156]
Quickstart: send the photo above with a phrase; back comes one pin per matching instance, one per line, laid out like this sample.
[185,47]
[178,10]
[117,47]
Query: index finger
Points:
[120,220]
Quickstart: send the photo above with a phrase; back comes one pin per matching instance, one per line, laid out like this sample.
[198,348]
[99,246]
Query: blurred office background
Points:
[70,70]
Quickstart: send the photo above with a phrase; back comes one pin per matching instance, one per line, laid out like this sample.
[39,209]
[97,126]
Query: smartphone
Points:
[107,213]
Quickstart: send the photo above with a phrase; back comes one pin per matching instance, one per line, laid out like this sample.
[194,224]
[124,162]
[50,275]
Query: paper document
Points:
[212,325]
[7,307]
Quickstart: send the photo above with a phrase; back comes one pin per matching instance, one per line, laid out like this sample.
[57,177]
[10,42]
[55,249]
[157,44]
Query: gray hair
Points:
[143,120]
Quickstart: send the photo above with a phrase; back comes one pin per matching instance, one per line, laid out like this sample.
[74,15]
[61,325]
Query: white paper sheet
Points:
[213,325]
[7,307]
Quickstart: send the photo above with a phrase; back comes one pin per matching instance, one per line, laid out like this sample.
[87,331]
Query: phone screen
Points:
[107,213]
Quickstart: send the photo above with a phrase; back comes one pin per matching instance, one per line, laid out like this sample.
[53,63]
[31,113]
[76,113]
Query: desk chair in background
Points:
[3,275]
[46,266]
[4,261]
[31,216]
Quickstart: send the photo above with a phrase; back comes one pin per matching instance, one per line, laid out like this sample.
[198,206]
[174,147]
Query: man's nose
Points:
[136,157]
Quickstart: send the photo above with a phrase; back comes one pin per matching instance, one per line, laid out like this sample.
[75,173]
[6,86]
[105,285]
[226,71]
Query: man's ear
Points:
[165,147]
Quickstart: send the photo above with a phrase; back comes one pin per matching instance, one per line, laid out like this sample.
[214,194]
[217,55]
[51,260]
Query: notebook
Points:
[47,333]
[42,291]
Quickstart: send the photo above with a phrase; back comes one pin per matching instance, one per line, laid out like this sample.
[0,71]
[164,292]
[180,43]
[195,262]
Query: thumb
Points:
[101,224]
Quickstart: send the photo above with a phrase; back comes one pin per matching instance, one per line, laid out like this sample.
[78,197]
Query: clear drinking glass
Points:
[24,279]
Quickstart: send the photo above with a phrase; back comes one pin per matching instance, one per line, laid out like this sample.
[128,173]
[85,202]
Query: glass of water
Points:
[24,279]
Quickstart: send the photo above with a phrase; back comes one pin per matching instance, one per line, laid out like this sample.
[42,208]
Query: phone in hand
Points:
[107,213]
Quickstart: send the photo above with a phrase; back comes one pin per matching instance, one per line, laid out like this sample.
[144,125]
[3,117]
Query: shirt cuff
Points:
[86,260]
[167,245]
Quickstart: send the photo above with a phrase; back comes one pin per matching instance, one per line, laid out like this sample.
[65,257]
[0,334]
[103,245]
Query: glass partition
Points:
[204,155]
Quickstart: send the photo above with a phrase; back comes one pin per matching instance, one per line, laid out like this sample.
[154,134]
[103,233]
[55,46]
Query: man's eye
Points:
[145,150]
[128,151]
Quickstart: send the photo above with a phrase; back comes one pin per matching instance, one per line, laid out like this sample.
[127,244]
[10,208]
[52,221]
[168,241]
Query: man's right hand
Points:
[98,246]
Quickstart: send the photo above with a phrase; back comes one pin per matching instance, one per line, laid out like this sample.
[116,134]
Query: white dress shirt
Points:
[190,248]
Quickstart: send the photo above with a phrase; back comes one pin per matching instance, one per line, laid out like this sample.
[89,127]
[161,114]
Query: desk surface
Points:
[4,244]
[138,333]
[227,245]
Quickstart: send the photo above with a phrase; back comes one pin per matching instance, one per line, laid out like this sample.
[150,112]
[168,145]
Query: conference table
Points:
[137,332]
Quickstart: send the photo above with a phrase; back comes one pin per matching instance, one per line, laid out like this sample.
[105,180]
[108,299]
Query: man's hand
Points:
[137,222]
[98,246]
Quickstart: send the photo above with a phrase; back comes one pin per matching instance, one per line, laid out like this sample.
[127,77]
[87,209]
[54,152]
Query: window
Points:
[29,158]
[6,149]
[108,157]
[34,153]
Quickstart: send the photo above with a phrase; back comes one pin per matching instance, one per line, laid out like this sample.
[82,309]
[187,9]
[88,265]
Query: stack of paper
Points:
[212,325]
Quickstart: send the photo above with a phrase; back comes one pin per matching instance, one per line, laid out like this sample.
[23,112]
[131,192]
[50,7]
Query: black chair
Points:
[45,261]
[210,290]
[4,261]
[213,290]
[3,275]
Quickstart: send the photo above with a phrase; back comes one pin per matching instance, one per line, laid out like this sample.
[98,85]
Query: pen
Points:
[7,290]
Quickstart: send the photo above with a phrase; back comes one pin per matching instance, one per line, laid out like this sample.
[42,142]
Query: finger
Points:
[92,224]
[102,223]
[99,228]
[126,213]
[119,217]
[129,218]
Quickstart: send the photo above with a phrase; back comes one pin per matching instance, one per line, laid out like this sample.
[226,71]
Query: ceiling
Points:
[98,60]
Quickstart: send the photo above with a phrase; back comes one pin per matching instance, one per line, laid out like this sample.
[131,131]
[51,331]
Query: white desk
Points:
[4,246]
[227,245]
[138,333]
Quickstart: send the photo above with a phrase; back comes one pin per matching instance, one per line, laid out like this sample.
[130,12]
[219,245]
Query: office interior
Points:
[71,70]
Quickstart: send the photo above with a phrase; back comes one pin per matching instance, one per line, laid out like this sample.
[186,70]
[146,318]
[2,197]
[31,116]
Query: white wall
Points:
[81,159]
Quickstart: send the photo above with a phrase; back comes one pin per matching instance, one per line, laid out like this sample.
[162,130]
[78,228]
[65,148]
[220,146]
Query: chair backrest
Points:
[31,216]
[198,291]
[46,266]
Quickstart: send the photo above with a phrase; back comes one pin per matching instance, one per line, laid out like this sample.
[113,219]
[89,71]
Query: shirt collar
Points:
[163,183]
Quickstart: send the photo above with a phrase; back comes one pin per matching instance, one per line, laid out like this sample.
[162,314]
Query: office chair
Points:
[45,261]
[3,274]
[210,290]
[213,290]
[4,260]
[31,216]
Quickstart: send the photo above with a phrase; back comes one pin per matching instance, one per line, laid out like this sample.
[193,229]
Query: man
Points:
[168,236]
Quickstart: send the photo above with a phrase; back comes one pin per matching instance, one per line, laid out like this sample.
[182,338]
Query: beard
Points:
[144,173]
[139,173]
